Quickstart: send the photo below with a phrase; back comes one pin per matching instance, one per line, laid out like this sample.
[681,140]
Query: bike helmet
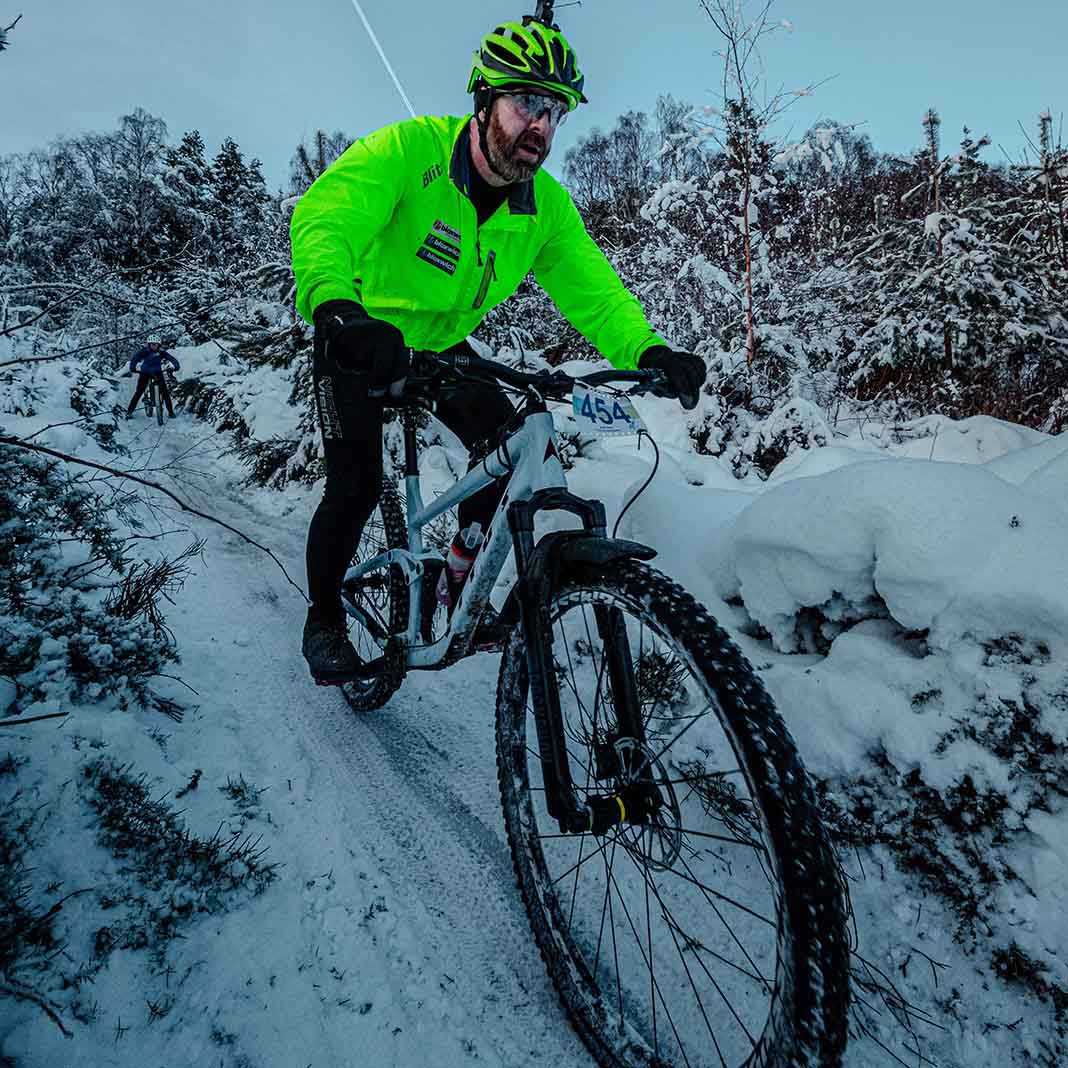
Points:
[530,55]
[154,339]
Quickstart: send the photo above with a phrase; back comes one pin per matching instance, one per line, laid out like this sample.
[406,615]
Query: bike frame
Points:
[530,455]
[535,480]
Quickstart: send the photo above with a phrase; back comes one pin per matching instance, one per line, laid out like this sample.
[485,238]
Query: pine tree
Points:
[308,162]
[188,175]
[238,201]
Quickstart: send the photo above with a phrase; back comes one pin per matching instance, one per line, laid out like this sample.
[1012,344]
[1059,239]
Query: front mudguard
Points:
[556,552]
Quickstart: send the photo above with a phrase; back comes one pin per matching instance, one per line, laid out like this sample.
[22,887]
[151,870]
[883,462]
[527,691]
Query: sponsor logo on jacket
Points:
[441,248]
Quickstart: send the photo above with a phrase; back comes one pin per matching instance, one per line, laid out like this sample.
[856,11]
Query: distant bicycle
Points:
[666,838]
[152,400]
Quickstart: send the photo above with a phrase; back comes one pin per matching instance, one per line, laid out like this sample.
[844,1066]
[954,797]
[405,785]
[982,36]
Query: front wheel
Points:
[711,932]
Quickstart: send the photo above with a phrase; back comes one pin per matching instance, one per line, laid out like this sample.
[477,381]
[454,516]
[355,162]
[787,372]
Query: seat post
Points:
[411,443]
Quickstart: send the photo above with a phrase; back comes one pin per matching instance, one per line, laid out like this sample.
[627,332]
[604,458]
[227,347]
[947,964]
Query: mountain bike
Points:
[665,836]
[152,401]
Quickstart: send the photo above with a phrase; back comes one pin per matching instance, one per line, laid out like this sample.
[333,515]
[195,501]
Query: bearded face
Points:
[517,147]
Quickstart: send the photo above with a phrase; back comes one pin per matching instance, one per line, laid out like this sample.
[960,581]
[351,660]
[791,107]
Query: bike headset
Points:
[531,54]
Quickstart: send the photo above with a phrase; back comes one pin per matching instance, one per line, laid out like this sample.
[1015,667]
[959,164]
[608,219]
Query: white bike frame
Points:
[530,456]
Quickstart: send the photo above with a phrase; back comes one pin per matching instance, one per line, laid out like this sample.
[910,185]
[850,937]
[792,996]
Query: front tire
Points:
[713,934]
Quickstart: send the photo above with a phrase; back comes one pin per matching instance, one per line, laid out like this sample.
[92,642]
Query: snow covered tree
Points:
[134,190]
[950,308]
[1049,194]
[309,161]
[188,175]
[239,202]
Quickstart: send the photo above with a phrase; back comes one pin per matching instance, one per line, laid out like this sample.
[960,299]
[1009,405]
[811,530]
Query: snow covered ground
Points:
[904,593]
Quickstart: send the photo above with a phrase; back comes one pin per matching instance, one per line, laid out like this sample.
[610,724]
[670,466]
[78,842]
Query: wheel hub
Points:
[643,798]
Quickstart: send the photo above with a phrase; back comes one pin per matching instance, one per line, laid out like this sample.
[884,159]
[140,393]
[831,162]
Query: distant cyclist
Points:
[149,364]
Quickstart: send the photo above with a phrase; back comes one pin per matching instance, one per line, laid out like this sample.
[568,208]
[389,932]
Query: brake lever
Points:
[655,381]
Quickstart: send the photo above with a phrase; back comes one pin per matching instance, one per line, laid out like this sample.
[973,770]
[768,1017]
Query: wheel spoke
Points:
[689,878]
[672,926]
[669,920]
[734,937]
[657,995]
[689,930]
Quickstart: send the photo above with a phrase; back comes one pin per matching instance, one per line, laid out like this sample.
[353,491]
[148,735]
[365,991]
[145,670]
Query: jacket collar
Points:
[520,194]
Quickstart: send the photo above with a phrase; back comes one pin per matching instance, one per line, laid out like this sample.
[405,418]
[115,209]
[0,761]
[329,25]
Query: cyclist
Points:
[406,242]
[149,363]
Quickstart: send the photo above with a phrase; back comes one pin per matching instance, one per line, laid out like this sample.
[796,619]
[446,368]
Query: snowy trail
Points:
[394,934]
[398,807]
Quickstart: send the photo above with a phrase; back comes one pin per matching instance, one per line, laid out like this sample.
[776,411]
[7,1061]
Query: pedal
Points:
[367,670]
[490,636]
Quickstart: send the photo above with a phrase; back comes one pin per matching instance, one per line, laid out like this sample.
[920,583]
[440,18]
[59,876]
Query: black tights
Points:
[351,425]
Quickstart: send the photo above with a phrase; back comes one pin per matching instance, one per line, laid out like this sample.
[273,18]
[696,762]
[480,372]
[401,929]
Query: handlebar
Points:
[547,384]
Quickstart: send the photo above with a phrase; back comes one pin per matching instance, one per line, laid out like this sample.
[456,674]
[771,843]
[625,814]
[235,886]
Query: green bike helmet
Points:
[527,54]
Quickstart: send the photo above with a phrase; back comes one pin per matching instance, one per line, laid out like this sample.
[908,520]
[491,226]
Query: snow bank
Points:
[949,548]
[1040,468]
[978,439]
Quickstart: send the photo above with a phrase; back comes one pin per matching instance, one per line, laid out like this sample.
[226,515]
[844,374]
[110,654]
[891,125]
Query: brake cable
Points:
[645,485]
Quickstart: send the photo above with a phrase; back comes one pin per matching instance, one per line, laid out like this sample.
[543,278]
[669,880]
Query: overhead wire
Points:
[384,57]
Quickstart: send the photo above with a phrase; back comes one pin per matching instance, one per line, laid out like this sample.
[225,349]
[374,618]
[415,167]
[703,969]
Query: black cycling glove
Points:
[685,373]
[360,345]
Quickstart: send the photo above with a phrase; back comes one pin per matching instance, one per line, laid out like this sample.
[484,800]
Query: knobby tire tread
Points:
[808,1017]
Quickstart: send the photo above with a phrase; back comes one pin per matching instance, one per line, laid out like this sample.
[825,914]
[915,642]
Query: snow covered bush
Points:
[795,424]
[951,549]
[28,938]
[69,630]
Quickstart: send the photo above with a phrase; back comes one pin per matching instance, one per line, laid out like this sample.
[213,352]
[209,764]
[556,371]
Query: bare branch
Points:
[115,340]
[40,315]
[52,426]
[83,348]
[21,993]
[32,719]
[18,443]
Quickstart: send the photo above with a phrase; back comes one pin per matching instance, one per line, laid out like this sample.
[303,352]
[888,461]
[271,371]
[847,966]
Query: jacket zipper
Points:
[488,274]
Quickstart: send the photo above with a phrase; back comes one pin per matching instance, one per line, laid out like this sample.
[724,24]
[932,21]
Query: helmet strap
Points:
[484,101]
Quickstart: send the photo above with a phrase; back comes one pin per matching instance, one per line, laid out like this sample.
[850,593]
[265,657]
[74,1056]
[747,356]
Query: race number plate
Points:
[604,413]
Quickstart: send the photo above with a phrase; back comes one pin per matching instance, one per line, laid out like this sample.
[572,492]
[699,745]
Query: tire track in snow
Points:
[411,787]
[429,838]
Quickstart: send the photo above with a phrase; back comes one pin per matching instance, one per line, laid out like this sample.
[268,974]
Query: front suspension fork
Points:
[596,813]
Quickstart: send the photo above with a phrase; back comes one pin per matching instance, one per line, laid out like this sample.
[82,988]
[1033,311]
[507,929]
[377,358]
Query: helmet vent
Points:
[500,53]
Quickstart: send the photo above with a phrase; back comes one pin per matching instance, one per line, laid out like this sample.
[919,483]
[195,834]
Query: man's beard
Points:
[504,153]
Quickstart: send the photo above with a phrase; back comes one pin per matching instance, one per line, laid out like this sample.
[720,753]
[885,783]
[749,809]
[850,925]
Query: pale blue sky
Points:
[266,71]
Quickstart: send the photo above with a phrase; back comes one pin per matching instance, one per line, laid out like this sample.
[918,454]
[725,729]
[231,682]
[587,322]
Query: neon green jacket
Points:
[390,225]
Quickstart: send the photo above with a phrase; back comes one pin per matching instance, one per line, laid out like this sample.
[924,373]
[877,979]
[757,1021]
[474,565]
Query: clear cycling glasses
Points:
[533,105]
